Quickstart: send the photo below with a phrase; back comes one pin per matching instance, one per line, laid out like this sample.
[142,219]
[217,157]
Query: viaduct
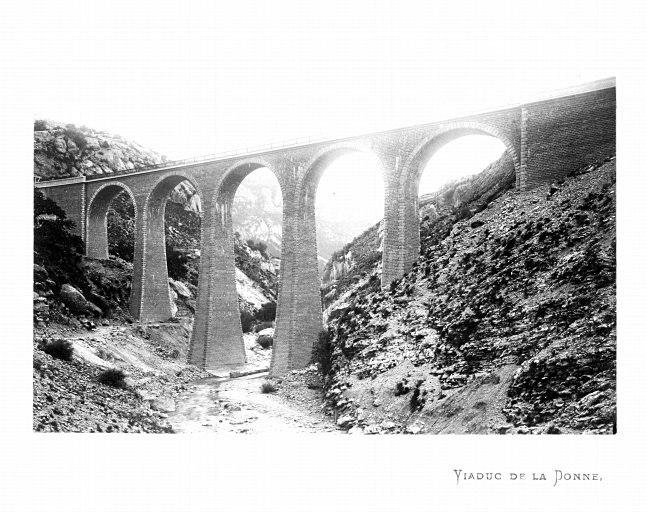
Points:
[546,139]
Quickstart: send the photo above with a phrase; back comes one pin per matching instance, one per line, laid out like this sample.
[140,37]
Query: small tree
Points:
[60,349]
[113,377]
[265,341]
[177,262]
[246,320]
[267,313]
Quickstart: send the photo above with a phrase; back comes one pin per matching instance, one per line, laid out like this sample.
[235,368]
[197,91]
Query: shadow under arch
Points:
[96,243]
[217,337]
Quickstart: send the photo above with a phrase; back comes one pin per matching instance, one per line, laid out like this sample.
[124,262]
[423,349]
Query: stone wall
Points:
[562,135]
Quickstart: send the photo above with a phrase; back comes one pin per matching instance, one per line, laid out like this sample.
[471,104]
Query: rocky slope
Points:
[505,325]
[63,150]
[360,257]
[85,301]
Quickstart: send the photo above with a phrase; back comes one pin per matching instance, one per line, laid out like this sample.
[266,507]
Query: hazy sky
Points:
[193,78]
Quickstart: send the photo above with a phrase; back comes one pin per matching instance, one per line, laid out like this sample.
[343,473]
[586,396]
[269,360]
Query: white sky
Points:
[195,78]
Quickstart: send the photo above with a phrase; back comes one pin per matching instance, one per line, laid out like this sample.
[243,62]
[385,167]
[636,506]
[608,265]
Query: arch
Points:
[424,151]
[217,337]
[162,188]
[234,175]
[402,226]
[299,316]
[306,191]
[96,245]
[151,296]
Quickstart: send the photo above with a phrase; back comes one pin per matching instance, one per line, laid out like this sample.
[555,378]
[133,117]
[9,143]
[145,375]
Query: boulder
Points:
[40,274]
[72,147]
[338,311]
[266,332]
[181,289]
[163,404]
[76,302]
[345,422]
[60,145]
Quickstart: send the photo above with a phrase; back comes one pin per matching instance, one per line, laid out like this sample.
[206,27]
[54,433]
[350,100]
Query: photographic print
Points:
[288,256]
[223,294]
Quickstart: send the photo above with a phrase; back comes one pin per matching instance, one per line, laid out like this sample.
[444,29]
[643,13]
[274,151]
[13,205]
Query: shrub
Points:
[259,246]
[40,125]
[60,349]
[322,352]
[401,388]
[246,320]
[56,247]
[121,227]
[267,313]
[177,263]
[268,387]
[417,401]
[113,377]
[265,341]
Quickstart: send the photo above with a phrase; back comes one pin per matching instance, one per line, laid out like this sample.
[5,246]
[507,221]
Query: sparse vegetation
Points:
[60,349]
[417,400]
[401,388]
[113,377]
[55,246]
[177,262]
[259,246]
[267,313]
[268,387]
[265,341]
[246,320]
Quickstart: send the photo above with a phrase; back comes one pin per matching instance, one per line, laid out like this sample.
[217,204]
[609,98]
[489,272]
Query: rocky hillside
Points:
[360,257]
[506,324]
[63,150]
[93,369]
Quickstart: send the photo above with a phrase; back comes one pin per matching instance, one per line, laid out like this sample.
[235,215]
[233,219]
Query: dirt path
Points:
[237,405]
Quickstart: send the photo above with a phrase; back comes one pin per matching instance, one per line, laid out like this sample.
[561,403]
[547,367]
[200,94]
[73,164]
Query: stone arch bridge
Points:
[546,139]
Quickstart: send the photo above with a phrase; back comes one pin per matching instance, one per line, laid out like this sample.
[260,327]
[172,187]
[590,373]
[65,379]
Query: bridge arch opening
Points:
[456,174]
[168,256]
[257,220]
[111,223]
[346,184]
[239,232]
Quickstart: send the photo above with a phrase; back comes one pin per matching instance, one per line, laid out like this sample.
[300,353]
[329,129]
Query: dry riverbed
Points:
[163,393]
